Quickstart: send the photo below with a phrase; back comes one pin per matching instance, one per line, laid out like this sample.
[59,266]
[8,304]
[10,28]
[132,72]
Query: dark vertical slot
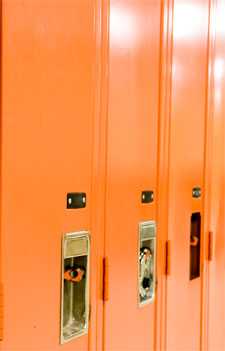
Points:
[195,244]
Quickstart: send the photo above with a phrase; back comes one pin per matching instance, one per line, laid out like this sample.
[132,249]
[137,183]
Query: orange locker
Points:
[186,173]
[215,290]
[184,103]
[134,57]
[191,153]
[112,175]
[50,107]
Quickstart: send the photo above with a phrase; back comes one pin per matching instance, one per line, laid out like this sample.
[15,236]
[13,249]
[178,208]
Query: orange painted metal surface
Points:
[1,312]
[186,168]
[132,165]
[214,336]
[195,311]
[112,98]
[49,93]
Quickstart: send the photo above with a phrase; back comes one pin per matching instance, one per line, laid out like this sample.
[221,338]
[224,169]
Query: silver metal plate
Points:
[75,247]
[146,262]
[75,285]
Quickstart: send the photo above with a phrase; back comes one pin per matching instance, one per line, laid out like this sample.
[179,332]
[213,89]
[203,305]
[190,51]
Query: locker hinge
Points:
[1,311]
[105,279]
[89,317]
[167,270]
[210,246]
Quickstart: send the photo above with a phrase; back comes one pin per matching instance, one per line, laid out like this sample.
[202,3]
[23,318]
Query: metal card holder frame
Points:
[75,283]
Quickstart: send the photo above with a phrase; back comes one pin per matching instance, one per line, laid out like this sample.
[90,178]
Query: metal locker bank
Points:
[112,175]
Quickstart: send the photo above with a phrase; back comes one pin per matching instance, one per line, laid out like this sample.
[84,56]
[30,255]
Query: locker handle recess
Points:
[75,285]
[146,262]
[195,241]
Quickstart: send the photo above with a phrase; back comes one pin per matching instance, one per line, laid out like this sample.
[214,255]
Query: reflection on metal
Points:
[75,285]
[146,262]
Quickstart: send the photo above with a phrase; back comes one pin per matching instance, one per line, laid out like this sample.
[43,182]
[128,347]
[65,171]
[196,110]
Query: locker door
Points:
[48,104]
[186,173]
[132,159]
[216,288]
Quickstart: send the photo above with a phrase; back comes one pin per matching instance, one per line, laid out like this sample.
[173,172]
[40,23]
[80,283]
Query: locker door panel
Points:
[216,289]
[132,158]
[186,172]
[47,118]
